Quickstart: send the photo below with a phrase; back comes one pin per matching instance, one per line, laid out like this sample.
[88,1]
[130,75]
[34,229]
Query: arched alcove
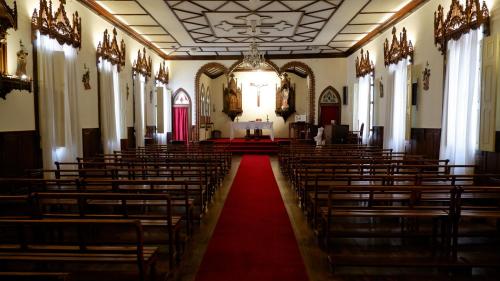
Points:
[181,112]
[329,106]
[214,69]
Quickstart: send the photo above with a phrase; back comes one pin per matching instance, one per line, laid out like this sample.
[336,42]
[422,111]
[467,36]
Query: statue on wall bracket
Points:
[285,98]
[232,99]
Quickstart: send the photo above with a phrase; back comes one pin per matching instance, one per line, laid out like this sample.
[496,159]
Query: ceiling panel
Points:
[122,7]
[371,18]
[137,20]
[207,27]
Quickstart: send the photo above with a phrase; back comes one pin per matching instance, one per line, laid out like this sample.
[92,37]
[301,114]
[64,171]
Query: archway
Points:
[181,116]
[216,69]
[329,107]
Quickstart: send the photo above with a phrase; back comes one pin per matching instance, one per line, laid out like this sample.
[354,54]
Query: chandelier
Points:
[254,58]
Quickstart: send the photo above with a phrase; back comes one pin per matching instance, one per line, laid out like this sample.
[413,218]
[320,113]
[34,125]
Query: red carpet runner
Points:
[253,239]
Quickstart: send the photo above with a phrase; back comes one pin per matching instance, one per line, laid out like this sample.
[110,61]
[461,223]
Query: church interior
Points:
[249,140]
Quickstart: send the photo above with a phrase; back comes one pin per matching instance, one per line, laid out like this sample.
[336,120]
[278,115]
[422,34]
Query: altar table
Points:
[251,126]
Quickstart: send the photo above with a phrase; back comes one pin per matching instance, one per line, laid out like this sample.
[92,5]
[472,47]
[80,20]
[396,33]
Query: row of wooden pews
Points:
[110,213]
[371,207]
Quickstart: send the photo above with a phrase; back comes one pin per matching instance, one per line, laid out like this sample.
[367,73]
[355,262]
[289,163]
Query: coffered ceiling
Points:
[306,28]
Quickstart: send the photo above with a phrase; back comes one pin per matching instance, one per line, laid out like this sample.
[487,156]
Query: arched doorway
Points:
[329,107]
[181,116]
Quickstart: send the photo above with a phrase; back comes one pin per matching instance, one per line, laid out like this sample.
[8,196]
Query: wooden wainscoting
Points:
[489,162]
[19,151]
[150,137]
[130,137]
[91,139]
[377,138]
[425,141]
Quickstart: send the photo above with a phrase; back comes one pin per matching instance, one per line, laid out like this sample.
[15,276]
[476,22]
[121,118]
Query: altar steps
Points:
[251,146]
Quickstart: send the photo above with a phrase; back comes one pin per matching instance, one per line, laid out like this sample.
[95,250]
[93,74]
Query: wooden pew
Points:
[35,276]
[67,241]
[152,210]
[377,211]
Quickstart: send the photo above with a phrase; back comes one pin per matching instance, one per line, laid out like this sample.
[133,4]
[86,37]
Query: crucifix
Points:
[258,86]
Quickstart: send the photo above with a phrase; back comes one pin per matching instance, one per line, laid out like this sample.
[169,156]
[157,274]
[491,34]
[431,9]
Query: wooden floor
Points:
[315,259]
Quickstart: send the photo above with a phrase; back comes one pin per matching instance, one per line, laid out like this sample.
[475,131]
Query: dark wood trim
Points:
[398,16]
[377,138]
[18,152]
[91,142]
[425,141]
[36,106]
[96,8]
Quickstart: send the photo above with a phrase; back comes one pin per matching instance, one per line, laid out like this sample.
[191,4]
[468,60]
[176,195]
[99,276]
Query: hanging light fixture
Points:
[254,58]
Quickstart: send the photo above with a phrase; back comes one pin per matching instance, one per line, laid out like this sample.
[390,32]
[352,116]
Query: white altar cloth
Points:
[251,126]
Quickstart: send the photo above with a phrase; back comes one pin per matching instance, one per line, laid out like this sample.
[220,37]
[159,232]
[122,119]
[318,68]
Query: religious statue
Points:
[285,98]
[319,138]
[21,61]
[232,105]
[427,76]
[86,78]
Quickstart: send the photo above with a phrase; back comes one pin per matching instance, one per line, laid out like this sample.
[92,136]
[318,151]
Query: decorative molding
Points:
[109,50]
[143,65]
[459,21]
[364,65]
[399,49]
[162,75]
[57,26]
[8,18]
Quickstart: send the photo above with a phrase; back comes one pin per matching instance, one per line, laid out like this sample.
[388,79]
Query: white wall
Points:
[17,111]
[420,29]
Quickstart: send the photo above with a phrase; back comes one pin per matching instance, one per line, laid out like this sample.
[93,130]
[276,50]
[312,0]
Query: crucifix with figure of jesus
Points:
[258,86]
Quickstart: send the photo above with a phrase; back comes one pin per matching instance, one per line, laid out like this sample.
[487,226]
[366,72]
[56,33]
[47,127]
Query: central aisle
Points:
[253,239]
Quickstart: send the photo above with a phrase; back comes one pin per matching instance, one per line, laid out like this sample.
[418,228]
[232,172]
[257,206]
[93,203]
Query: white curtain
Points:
[459,137]
[139,88]
[397,94]
[363,108]
[110,106]
[167,115]
[59,118]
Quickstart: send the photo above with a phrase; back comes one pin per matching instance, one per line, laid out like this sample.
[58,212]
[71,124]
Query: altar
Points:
[252,125]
